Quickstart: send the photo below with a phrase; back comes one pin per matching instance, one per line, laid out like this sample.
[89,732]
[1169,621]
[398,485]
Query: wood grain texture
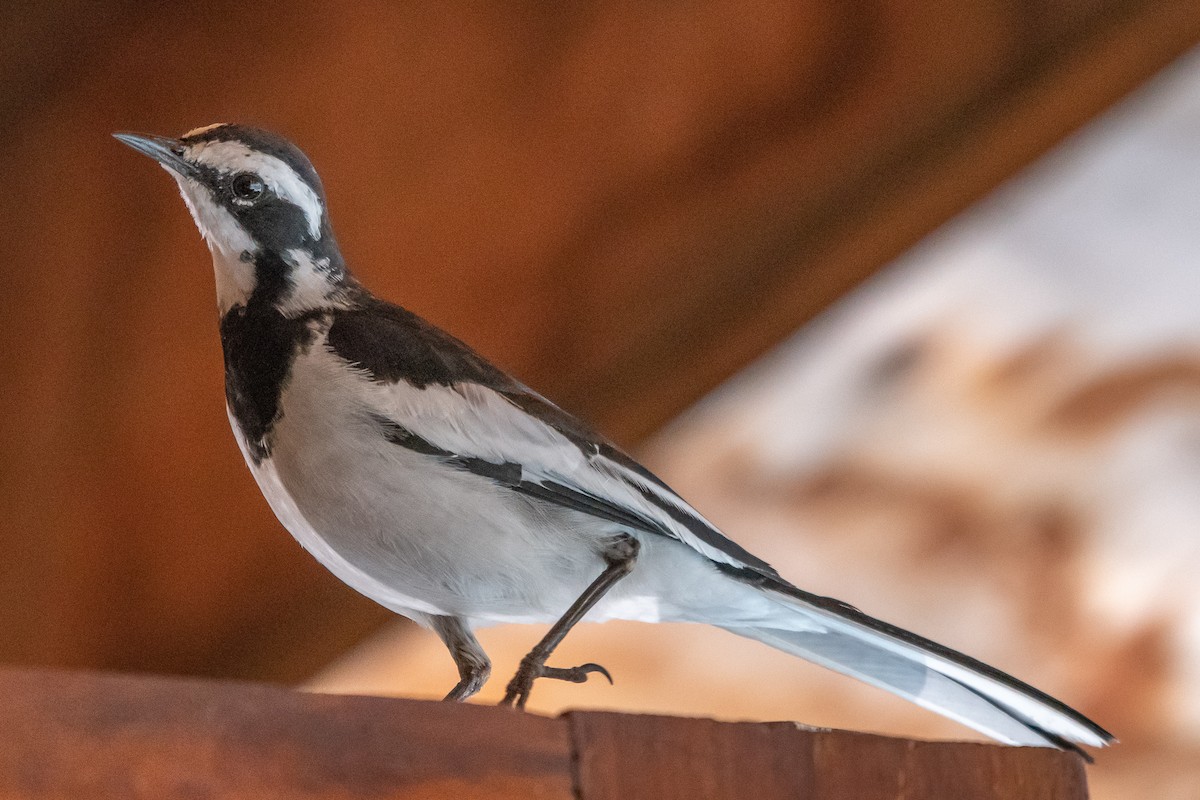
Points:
[621,203]
[671,758]
[75,735]
[668,758]
[82,735]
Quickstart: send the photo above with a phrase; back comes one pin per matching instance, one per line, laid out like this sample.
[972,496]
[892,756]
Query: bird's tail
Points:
[842,638]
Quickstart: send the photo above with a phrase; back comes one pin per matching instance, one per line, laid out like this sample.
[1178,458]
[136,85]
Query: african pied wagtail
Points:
[437,485]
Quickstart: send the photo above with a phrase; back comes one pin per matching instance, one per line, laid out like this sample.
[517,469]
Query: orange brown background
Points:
[621,203]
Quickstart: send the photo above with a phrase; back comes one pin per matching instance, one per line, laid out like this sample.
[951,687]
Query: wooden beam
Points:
[1012,85]
[622,203]
[82,735]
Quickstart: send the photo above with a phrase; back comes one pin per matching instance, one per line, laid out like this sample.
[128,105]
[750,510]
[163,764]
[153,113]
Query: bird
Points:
[436,484]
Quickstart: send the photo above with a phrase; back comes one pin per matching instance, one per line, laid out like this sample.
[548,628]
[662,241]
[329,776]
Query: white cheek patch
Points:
[230,244]
[231,157]
[218,227]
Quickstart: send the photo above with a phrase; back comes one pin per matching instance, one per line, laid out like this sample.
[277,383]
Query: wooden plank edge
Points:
[618,756]
[80,734]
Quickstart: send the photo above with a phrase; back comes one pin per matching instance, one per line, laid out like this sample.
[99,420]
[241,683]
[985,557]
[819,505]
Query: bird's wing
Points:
[431,393]
[510,438]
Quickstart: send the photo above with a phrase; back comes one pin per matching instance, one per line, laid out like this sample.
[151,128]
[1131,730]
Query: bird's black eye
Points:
[247,186]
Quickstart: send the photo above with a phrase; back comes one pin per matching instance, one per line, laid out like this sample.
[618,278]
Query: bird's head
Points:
[260,206]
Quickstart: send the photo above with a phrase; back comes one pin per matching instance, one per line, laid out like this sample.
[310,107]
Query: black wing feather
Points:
[393,344]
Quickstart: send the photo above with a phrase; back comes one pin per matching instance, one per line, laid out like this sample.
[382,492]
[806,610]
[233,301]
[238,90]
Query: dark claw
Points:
[590,667]
[521,684]
[575,674]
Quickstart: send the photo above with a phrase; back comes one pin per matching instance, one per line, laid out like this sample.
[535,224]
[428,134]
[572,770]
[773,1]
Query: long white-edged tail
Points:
[843,639]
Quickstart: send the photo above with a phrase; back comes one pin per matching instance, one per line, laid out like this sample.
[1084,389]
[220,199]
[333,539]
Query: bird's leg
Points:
[620,556]
[473,664]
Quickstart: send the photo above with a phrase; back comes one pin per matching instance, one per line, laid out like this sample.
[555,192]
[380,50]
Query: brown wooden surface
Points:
[623,203]
[78,735]
[669,758]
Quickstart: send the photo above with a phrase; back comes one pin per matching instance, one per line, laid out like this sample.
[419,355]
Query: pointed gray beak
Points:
[168,152]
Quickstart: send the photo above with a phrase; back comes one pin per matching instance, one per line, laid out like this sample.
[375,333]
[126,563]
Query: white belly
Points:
[410,532]
[420,536]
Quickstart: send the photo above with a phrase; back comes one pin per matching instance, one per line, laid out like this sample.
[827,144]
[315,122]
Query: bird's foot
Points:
[531,669]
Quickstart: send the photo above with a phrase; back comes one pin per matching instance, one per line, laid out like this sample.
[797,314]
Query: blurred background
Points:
[900,295]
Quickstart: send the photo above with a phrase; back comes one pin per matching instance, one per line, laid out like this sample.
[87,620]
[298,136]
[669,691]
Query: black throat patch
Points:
[260,346]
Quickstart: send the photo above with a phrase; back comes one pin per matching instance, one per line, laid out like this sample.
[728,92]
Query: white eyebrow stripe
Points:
[228,156]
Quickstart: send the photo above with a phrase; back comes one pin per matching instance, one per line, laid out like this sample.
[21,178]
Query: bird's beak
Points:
[166,151]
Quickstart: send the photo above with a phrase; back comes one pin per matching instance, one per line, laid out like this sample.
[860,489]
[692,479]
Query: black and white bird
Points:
[442,488]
